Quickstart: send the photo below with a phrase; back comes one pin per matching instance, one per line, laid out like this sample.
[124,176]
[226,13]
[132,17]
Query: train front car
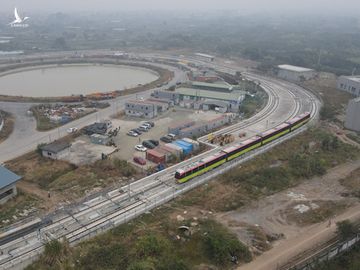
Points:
[200,167]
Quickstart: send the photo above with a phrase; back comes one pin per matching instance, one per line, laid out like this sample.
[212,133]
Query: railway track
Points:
[122,204]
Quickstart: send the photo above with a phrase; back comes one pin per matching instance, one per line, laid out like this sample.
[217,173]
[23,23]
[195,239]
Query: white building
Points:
[352,120]
[295,74]
[350,84]
[206,57]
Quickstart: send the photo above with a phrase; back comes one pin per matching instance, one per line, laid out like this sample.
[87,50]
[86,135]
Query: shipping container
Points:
[196,145]
[155,156]
[186,148]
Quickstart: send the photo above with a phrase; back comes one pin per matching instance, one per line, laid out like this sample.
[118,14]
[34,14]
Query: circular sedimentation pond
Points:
[66,80]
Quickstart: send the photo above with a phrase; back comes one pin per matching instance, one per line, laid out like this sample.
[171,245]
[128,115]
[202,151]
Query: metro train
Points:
[184,174]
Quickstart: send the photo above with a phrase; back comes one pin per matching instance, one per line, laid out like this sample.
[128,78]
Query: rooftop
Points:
[205,55]
[7,177]
[352,78]
[294,68]
[224,86]
[208,94]
[55,147]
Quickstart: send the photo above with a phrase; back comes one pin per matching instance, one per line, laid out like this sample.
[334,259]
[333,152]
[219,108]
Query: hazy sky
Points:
[352,6]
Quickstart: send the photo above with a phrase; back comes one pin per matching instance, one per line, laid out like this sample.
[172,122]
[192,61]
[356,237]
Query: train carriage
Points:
[298,121]
[242,148]
[273,134]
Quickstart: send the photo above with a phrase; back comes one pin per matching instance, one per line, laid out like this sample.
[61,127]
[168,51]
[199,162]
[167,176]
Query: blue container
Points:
[188,144]
[186,148]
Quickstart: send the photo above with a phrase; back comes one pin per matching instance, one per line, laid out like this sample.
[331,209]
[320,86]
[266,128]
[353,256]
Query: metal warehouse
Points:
[295,73]
[232,99]
[350,84]
[8,181]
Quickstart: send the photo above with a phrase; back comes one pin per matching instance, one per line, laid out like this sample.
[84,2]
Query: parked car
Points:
[154,142]
[132,133]
[152,124]
[148,144]
[172,136]
[144,128]
[146,125]
[136,130]
[140,160]
[140,148]
[72,130]
[166,139]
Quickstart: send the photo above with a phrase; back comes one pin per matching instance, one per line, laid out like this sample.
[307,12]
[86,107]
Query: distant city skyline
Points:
[311,6]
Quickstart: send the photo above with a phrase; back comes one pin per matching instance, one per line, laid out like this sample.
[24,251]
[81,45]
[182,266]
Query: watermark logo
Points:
[19,22]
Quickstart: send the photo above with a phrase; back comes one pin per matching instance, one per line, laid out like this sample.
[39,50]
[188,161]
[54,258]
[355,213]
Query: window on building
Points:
[6,193]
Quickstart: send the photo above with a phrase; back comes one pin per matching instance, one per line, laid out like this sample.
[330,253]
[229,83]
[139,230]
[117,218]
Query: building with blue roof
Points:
[8,181]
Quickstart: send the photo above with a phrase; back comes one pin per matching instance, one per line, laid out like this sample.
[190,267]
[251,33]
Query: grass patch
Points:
[335,101]
[253,104]
[8,125]
[352,183]
[36,169]
[152,241]
[62,177]
[18,207]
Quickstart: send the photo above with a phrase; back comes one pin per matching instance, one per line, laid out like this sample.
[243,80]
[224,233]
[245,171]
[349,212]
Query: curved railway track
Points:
[122,204]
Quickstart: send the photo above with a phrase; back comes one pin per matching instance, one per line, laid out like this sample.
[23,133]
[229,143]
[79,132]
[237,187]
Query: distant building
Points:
[295,74]
[170,95]
[199,97]
[55,150]
[352,120]
[148,108]
[205,57]
[350,84]
[8,182]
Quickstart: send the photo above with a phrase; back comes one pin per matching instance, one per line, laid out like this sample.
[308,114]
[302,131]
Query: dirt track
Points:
[270,214]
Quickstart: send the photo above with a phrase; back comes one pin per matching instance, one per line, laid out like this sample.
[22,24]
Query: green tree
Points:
[345,229]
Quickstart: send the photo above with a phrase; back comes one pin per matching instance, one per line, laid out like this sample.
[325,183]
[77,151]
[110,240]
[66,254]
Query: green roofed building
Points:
[231,99]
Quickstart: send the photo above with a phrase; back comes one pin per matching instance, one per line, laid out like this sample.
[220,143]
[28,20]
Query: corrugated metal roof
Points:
[231,96]
[55,147]
[7,177]
[224,86]
[294,68]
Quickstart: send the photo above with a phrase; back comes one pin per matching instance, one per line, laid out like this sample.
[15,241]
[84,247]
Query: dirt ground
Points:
[314,203]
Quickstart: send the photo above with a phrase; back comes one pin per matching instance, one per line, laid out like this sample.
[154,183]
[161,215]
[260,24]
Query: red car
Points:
[139,160]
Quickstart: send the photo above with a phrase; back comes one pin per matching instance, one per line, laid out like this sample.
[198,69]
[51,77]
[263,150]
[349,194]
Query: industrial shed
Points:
[8,181]
[295,73]
[55,149]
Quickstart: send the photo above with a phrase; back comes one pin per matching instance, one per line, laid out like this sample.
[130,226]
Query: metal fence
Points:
[327,254]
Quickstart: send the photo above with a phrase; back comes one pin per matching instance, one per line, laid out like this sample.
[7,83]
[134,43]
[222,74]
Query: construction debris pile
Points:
[222,139]
[62,113]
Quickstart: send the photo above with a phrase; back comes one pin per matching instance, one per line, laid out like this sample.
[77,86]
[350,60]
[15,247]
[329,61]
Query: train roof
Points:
[212,157]
[242,144]
[270,131]
[199,162]
[297,118]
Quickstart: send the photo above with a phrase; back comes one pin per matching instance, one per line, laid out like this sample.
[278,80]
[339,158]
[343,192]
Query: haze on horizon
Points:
[241,6]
